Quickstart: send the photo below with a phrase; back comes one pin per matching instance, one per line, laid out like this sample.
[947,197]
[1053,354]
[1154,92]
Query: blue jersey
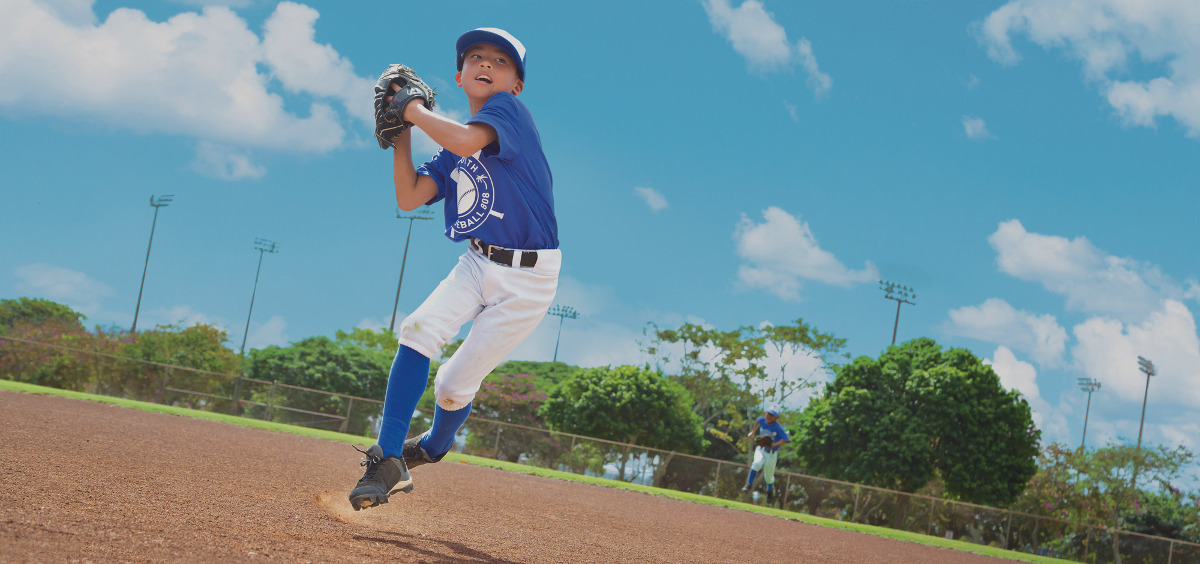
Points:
[501,195]
[773,430]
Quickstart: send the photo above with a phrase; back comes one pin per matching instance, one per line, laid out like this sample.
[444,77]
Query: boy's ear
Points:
[519,87]
[458,79]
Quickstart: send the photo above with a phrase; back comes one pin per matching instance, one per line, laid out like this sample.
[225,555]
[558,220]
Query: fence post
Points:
[496,448]
[717,479]
[787,488]
[1171,552]
[1007,529]
[237,392]
[270,401]
[346,421]
[932,506]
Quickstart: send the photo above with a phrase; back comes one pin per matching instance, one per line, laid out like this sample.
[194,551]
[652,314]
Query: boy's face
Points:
[770,418]
[487,70]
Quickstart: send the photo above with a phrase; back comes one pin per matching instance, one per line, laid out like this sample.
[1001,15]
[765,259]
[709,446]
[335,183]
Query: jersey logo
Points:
[476,194]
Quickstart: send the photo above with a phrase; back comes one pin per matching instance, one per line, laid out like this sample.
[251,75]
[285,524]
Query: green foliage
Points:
[39,312]
[723,371]
[915,412]
[546,375]
[511,399]
[342,366]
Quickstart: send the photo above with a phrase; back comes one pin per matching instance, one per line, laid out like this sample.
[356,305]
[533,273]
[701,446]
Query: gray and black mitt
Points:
[764,441]
[390,102]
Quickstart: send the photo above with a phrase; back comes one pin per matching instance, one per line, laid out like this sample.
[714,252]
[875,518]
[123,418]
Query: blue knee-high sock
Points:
[406,383]
[770,488]
[440,438]
[750,480]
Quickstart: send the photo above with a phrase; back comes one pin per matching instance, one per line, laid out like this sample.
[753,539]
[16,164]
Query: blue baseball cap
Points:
[773,411]
[493,36]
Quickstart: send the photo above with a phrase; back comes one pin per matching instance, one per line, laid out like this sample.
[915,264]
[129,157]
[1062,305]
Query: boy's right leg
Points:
[386,472]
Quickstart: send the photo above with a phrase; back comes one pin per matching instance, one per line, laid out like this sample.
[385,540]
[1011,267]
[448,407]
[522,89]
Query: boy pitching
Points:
[493,178]
[767,425]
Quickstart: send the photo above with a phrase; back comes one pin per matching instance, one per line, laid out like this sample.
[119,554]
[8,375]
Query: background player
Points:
[766,451]
[493,178]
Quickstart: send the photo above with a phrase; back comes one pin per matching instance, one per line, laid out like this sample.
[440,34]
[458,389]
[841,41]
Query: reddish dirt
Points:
[87,481]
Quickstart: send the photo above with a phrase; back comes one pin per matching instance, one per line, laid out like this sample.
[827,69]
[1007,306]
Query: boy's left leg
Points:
[759,459]
[769,474]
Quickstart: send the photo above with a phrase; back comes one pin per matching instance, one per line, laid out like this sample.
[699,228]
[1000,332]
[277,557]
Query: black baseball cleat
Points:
[415,456]
[384,477]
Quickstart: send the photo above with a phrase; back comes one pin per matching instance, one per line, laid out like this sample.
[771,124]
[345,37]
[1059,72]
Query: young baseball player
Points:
[766,453]
[495,183]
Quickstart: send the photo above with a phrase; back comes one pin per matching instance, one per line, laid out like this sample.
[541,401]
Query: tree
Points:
[41,312]
[916,411]
[511,399]
[626,404]
[1097,487]
[787,342]
[200,346]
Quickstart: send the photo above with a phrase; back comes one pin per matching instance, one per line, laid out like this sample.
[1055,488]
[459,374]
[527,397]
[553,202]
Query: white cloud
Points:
[975,128]
[195,74]
[792,111]
[74,289]
[972,82]
[996,321]
[652,197]
[1109,38]
[1107,350]
[782,251]
[1015,373]
[273,332]
[1091,280]
[755,35]
[224,162]
[302,65]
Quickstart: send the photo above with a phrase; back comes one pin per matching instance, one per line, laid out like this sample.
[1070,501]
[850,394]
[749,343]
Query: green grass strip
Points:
[547,473]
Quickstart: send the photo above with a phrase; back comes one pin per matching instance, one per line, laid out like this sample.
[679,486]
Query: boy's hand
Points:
[398,86]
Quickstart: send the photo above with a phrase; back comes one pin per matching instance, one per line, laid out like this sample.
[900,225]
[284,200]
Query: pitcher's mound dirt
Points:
[87,481]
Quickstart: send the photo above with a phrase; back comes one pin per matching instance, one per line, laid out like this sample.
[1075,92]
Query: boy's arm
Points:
[754,430]
[462,140]
[412,190]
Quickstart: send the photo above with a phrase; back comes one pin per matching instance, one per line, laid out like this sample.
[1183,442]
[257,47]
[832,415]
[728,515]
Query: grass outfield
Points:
[547,473]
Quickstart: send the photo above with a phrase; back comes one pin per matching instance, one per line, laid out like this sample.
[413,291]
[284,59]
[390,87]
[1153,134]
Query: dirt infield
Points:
[87,481]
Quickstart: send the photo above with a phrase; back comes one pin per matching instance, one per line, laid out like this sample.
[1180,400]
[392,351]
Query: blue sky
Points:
[1028,167]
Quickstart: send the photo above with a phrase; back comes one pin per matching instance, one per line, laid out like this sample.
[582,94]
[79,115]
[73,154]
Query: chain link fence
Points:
[112,375]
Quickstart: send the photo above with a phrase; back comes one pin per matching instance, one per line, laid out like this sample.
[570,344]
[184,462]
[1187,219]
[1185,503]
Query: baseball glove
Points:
[764,441]
[390,103]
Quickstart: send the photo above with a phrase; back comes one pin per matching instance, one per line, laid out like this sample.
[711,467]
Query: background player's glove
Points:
[390,103]
[764,441]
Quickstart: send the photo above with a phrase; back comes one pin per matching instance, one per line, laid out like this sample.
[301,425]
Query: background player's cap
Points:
[493,36]
[772,410]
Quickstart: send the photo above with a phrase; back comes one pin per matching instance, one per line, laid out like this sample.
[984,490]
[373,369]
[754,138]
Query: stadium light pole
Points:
[902,295]
[562,313]
[1147,367]
[1088,385]
[424,213]
[161,202]
[262,246]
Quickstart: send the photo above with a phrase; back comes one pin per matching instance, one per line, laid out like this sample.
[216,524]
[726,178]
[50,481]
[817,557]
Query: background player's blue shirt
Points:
[773,430]
[502,195]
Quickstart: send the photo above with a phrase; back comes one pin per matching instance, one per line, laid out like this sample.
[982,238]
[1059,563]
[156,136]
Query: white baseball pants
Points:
[765,461]
[506,304]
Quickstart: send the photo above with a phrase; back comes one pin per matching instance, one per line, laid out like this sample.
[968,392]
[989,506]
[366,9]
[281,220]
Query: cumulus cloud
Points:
[1039,336]
[1110,38]
[652,197]
[975,128]
[1015,373]
[201,75]
[75,289]
[782,252]
[1091,280]
[224,162]
[1107,350]
[273,332]
[755,35]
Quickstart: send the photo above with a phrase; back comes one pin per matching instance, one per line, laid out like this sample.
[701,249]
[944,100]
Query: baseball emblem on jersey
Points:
[476,194]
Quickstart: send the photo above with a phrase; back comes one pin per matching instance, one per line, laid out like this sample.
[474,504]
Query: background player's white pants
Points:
[506,303]
[765,461]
